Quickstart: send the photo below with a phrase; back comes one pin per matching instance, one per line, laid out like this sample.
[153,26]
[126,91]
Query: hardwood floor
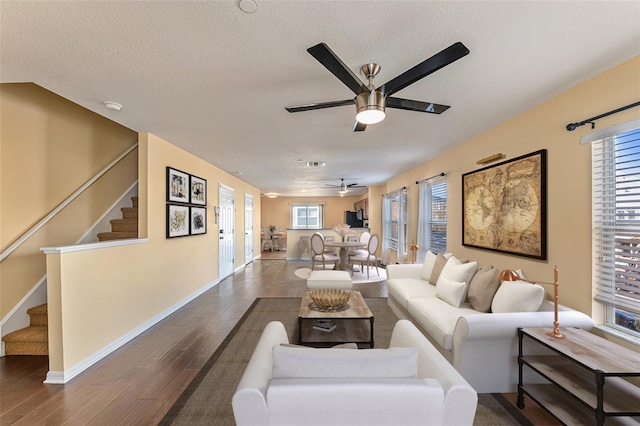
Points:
[138,383]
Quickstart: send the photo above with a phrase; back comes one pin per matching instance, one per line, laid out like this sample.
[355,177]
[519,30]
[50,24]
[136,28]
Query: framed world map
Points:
[504,206]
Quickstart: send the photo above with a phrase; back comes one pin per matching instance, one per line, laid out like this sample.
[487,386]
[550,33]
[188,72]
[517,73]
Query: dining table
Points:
[344,250]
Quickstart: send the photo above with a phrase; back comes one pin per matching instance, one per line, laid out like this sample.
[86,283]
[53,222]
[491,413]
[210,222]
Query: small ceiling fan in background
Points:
[343,188]
[370,101]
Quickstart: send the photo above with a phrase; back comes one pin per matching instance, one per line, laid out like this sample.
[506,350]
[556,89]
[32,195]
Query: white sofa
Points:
[409,384]
[482,346]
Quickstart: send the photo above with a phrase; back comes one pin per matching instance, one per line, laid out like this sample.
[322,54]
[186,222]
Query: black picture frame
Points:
[504,207]
[178,220]
[197,220]
[177,186]
[198,191]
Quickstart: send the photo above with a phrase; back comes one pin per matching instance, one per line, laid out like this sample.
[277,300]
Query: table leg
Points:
[371,342]
[344,265]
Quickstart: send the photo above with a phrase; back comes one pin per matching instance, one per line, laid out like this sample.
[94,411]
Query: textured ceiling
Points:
[214,80]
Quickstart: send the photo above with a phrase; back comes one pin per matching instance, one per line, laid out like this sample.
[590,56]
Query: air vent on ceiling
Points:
[316,164]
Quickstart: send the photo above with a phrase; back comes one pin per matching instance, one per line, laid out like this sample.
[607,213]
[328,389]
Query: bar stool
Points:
[304,243]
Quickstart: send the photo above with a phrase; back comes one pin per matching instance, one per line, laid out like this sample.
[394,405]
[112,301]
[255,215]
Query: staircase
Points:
[33,340]
[124,228]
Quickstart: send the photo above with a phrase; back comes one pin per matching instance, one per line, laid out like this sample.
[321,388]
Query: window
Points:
[394,220]
[307,216]
[616,225]
[432,217]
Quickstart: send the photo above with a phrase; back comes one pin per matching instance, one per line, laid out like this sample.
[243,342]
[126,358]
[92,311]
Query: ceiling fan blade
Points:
[330,60]
[410,105]
[359,127]
[320,105]
[355,185]
[423,69]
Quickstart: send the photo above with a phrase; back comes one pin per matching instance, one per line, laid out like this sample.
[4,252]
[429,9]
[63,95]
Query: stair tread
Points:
[29,334]
[118,233]
[132,221]
[38,310]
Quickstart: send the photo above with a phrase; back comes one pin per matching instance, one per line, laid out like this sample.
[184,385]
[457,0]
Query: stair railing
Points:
[35,228]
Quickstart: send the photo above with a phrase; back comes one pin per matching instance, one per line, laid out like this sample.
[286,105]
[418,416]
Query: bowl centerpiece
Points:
[330,300]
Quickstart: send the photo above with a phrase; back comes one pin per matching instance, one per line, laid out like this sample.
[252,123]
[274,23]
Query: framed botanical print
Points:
[177,221]
[504,206]
[198,220]
[177,186]
[198,191]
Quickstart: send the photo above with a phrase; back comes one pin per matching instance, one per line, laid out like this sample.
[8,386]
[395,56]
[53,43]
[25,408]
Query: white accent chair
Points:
[369,256]
[318,253]
[345,386]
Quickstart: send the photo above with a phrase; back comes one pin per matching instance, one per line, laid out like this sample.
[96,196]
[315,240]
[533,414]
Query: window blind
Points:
[432,217]
[616,219]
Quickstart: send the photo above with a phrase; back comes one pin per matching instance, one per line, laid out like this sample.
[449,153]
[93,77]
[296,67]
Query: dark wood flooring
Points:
[138,383]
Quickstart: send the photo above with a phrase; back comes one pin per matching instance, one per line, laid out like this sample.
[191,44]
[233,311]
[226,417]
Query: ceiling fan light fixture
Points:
[342,189]
[370,107]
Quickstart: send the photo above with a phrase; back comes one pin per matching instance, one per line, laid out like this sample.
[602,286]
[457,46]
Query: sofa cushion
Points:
[427,266]
[292,362]
[458,271]
[517,296]
[450,291]
[483,287]
[403,289]
[441,260]
[439,318]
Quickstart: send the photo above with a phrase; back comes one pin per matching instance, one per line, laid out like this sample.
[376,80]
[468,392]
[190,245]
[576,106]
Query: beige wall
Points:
[276,212]
[138,282]
[49,147]
[568,174]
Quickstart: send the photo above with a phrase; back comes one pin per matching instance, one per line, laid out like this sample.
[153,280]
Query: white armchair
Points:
[436,394]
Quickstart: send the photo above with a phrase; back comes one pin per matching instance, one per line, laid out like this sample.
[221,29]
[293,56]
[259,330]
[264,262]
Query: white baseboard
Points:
[62,377]
[55,378]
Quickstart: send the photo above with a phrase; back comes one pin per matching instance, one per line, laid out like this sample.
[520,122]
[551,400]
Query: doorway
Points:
[248,228]
[226,226]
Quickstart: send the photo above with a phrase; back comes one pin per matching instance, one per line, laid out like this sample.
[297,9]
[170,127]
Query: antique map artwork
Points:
[504,206]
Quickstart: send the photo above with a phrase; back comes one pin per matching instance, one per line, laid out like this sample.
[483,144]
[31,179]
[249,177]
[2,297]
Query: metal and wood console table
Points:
[584,377]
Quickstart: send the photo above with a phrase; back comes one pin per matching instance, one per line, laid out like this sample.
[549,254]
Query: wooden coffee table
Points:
[353,325]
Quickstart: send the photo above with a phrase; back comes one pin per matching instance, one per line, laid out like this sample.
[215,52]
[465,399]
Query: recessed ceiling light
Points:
[248,6]
[113,106]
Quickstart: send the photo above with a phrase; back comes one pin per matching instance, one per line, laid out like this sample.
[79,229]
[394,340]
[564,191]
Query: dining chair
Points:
[265,238]
[369,257]
[276,240]
[330,250]
[317,247]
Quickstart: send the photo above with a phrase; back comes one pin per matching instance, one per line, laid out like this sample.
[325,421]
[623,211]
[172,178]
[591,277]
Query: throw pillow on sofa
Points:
[450,291]
[483,287]
[439,263]
[458,271]
[517,296]
[427,266]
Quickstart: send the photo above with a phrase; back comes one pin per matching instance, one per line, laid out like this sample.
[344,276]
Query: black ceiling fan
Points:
[343,187]
[372,101]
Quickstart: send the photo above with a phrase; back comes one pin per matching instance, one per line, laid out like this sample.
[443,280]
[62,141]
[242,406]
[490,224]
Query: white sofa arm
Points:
[249,402]
[405,270]
[460,398]
[491,341]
